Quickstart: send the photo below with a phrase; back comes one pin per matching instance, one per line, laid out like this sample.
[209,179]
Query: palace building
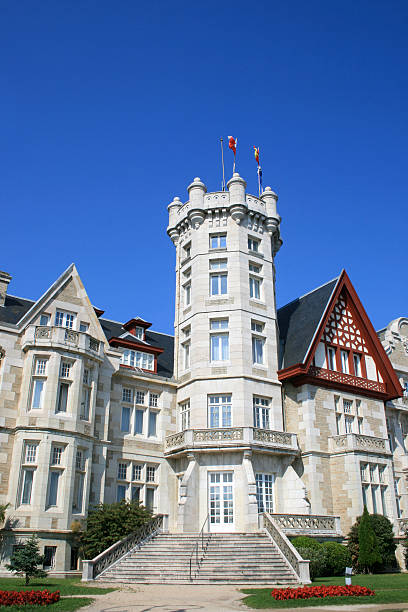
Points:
[300,413]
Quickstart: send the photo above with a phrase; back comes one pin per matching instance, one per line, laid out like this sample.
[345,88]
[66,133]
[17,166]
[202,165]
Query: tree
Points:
[26,559]
[109,523]
[368,552]
[385,538]
[3,508]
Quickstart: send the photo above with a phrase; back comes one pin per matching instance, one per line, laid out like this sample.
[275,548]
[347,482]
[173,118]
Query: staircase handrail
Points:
[91,568]
[204,545]
[299,565]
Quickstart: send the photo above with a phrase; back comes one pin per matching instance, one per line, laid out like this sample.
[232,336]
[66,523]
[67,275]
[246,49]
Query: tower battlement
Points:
[244,208]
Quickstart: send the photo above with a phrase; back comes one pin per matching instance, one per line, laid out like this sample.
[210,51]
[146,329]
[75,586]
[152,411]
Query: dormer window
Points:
[136,359]
[64,319]
[139,333]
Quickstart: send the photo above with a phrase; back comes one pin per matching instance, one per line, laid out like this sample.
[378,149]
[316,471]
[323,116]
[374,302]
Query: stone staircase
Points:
[233,558]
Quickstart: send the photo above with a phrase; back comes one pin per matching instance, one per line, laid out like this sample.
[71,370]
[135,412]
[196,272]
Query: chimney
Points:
[5,278]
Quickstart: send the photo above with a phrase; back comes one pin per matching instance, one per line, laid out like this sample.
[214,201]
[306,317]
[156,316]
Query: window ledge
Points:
[256,254]
[218,250]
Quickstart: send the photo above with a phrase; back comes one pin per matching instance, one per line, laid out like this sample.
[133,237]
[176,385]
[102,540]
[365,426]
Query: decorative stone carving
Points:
[213,435]
[71,336]
[43,332]
[273,437]
[175,440]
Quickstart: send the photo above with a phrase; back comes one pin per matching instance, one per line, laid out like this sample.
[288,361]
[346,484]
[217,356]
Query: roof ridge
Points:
[336,278]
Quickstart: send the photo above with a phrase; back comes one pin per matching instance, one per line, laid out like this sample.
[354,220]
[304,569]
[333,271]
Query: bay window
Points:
[219,411]
[137,359]
[219,342]
[261,407]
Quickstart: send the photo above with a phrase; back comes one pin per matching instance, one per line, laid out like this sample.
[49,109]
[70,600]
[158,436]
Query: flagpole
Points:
[259,182]
[235,154]
[222,161]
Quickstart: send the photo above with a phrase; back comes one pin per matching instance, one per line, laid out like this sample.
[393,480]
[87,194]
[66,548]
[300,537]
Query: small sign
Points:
[349,571]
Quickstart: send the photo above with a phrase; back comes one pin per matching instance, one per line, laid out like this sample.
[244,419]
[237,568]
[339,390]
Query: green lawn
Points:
[67,586]
[389,588]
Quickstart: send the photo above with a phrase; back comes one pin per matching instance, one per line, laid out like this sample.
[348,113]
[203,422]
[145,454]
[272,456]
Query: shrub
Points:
[22,598]
[383,530]
[318,560]
[321,592]
[338,558]
[305,542]
[368,553]
[26,559]
[109,523]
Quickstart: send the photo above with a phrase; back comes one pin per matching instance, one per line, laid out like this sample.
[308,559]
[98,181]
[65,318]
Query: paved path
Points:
[199,598]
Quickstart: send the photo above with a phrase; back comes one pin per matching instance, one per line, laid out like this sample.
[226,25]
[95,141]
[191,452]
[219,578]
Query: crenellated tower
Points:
[231,452]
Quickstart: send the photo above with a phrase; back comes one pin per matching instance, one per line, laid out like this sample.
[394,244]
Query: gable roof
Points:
[300,370]
[298,322]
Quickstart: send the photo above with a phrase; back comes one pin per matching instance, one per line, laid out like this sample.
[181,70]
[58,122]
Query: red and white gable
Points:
[346,351]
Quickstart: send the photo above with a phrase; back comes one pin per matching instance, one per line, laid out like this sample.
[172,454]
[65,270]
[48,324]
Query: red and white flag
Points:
[232,143]
[256,153]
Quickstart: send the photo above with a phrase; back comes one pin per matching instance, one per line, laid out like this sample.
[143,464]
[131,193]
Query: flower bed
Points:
[22,598]
[321,591]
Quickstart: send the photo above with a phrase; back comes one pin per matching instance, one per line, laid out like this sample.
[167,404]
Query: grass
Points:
[67,586]
[389,588]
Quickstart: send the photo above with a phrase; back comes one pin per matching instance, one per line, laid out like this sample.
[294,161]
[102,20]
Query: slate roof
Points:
[298,322]
[16,307]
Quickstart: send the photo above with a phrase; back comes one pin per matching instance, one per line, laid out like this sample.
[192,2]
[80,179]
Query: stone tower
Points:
[231,454]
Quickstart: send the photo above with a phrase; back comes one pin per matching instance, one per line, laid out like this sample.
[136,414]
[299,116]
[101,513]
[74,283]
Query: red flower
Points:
[21,598]
[321,591]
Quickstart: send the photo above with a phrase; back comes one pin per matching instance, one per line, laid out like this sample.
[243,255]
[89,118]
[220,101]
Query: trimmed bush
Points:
[305,542]
[338,558]
[383,530]
[318,560]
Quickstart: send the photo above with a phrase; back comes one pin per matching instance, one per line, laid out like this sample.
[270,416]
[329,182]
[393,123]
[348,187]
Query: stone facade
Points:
[220,437]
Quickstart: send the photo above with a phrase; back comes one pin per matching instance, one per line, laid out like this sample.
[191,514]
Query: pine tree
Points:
[369,553]
[26,559]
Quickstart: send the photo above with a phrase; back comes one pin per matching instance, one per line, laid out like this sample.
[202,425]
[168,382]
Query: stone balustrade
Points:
[278,441]
[60,337]
[358,442]
[308,524]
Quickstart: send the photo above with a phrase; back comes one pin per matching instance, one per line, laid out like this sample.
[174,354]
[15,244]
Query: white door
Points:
[221,501]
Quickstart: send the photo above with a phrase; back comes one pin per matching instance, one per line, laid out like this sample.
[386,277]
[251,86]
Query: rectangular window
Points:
[187,250]
[40,367]
[83,327]
[218,284]
[49,557]
[135,494]
[136,471]
[56,455]
[139,421]
[85,404]
[136,359]
[253,245]
[186,351]
[53,488]
[187,294]
[185,415]
[126,395]
[125,421]
[357,364]
[28,477]
[149,498]
[64,319]
[264,492]
[257,350]
[360,425]
[219,347]
[78,492]
[218,241]
[254,288]
[347,404]
[121,492]
[31,453]
[349,424]
[153,400]
[79,460]
[122,471]
[363,472]
[140,397]
[139,333]
[150,473]
[62,397]
[331,358]
[38,389]
[151,432]
[257,269]
[219,411]
[86,377]
[44,319]
[261,412]
[65,369]
[344,362]
[218,264]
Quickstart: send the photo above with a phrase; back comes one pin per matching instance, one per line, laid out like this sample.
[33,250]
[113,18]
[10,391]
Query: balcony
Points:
[334,377]
[308,524]
[357,442]
[231,437]
[63,338]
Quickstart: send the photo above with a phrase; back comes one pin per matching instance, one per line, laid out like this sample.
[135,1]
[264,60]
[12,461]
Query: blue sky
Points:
[109,109]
